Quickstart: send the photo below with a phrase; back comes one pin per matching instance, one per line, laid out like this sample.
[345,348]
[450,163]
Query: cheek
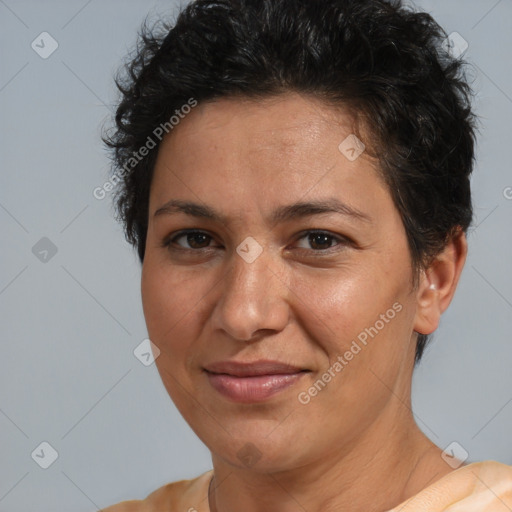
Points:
[170,300]
[366,322]
[171,303]
[337,307]
[363,314]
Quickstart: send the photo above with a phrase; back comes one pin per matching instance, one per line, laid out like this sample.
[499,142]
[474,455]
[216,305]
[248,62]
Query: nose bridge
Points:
[253,297]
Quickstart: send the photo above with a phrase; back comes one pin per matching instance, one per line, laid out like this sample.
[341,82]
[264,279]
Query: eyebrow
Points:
[281,214]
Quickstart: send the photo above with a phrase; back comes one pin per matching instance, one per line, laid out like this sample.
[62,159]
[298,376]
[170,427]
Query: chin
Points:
[260,447]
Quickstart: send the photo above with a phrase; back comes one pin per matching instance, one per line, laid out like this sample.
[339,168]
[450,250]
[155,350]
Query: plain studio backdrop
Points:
[70,303]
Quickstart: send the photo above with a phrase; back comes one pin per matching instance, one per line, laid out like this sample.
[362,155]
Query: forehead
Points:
[271,151]
[293,125]
[285,121]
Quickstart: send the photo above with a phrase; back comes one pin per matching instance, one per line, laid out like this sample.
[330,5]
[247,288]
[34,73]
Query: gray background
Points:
[68,375]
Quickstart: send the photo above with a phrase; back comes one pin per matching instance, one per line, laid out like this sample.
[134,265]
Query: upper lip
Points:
[254,369]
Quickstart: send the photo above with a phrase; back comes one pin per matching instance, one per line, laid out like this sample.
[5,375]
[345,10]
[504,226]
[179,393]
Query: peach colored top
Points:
[478,487]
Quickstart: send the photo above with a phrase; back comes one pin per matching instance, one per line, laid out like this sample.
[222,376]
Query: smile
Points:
[252,382]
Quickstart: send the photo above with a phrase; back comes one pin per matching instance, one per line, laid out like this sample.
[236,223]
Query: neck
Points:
[375,474]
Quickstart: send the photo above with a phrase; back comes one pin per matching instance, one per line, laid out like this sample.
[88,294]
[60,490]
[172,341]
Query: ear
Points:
[438,283]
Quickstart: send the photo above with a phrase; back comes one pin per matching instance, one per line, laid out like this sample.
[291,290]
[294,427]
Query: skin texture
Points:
[302,301]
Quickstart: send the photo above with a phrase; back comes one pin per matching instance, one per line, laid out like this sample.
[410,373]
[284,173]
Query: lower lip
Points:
[251,389]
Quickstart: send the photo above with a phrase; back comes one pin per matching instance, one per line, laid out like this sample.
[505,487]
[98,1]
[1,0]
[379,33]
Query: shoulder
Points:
[189,495]
[478,487]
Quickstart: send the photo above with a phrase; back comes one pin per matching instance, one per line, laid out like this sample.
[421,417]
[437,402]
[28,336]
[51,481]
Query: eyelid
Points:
[340,239]
[170,239]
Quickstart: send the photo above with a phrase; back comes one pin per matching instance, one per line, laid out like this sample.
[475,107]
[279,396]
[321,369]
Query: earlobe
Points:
[438,283]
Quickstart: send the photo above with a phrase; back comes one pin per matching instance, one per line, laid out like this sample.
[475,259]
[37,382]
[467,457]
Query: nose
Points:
[253,299]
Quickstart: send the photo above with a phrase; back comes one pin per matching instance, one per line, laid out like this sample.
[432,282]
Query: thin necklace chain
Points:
[209,493]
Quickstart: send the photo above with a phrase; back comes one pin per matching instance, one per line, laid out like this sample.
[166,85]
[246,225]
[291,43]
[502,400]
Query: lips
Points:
[252,382]
[252,369]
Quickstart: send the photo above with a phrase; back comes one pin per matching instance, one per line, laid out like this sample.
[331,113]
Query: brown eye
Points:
[194,239]
[320,240]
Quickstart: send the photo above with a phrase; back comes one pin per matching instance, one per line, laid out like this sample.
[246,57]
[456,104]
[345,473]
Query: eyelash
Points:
[170,240]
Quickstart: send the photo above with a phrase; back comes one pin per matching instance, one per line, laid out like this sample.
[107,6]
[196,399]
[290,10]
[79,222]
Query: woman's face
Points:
[300,273]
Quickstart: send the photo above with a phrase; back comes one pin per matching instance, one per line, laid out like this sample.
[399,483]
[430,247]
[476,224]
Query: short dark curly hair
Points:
[384,61]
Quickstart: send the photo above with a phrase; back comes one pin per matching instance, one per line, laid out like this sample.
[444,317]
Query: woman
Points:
[295,177]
